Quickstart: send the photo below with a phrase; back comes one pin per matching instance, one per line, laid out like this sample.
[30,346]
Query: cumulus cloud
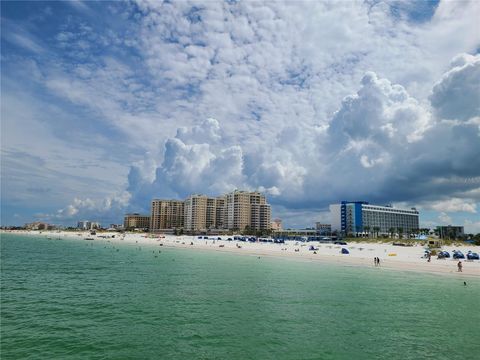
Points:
[381,137]
[109,208]
[195,160]
[223,95]
[457,95]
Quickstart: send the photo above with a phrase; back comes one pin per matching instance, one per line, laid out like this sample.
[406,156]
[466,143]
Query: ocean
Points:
[77,299]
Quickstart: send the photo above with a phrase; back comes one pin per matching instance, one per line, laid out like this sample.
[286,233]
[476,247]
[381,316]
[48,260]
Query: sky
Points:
[106,105]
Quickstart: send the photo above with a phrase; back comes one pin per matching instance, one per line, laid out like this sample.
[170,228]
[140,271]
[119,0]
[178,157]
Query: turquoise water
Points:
[75,299]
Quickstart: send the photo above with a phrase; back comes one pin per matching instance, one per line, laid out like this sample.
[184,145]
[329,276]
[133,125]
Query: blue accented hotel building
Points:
[351,217]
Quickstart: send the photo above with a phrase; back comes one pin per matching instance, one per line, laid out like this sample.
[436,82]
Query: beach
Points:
[408,258]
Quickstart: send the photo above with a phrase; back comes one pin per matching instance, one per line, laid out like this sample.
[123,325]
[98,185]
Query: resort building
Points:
[199,213]
[204,213]
[237,211]
[450,232]
[323,229]
[88,225]
[211,213]
[38,225]
[220,212]
[136,221]
[166,215]
[358,217]
[276,225]
[247,210]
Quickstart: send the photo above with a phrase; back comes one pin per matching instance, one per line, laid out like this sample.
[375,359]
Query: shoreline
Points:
[361,254]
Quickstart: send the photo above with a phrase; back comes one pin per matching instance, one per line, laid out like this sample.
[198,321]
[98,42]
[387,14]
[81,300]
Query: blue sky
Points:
[106,105]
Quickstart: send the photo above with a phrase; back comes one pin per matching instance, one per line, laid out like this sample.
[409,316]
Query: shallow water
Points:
[75,299]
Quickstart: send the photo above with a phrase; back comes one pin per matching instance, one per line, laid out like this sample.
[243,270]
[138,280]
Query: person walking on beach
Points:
[459,265]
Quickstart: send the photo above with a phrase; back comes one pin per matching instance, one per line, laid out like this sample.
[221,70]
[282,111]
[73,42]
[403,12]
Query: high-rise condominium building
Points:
[360,216]
[234,211]
[220,212]
[200,213]
[136,221]
[247,209]
[166,214]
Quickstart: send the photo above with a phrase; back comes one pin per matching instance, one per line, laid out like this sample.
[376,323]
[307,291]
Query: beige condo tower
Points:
[247,209]
[166,214]
[237,211]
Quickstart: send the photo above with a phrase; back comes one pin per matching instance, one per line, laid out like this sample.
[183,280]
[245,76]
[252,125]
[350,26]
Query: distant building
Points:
[166,215]
[323,229]
[39,225]
[136,221]
[88,225]
[359,216]
[450,232]
[277,225]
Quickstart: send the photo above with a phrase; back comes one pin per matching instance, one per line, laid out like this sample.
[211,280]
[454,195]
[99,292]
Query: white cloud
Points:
[457,94]
[109,208]
[380,155]
[454,205]
[273,76]
[444,218]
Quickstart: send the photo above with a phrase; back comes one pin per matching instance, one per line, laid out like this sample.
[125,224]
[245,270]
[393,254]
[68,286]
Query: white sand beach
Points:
[361,254]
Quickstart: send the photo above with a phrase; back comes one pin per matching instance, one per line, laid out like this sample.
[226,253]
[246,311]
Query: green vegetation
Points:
[258,233]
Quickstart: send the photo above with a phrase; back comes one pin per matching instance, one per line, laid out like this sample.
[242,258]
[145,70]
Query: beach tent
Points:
[345,251]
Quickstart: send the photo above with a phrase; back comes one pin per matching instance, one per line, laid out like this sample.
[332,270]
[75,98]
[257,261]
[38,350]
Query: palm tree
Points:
[367,229]
[376,230]
[400,232]
[391,231]
[416,232]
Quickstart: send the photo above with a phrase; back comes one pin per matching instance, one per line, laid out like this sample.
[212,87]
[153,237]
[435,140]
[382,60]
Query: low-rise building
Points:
[323,229]
[136,221]
[277,225]
[450,232]
[39,225]
[88,225]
